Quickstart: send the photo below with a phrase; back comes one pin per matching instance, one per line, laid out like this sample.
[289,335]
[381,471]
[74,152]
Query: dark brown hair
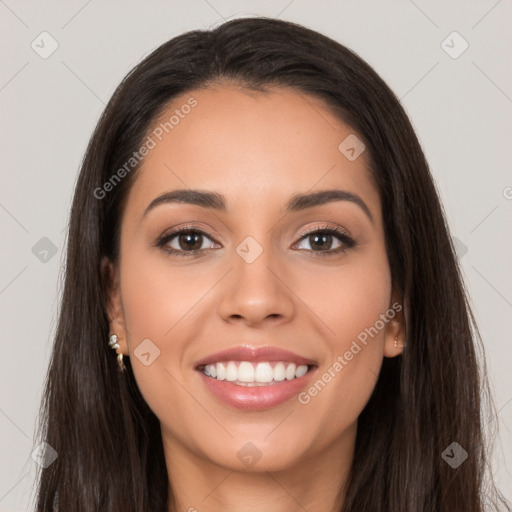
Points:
[110,453]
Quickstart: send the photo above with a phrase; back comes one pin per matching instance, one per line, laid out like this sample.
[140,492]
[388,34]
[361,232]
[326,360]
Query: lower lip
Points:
[255,397]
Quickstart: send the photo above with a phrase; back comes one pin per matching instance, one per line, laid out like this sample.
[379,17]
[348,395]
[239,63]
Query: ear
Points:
[110,274]
[394,336]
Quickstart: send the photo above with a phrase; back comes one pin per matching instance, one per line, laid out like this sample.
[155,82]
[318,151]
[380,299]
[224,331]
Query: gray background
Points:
[460,107]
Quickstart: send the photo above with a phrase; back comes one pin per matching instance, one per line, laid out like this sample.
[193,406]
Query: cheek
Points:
[158,297]
[348,298]
[362,297]
[352,304]
[161,303]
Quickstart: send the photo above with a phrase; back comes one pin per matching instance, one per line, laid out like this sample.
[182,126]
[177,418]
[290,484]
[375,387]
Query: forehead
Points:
[255,148]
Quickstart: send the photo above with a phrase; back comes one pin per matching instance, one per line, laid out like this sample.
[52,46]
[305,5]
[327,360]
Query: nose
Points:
[257,292]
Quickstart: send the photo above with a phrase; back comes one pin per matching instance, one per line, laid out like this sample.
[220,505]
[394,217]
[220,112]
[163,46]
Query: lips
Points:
[239,387]
[255,355]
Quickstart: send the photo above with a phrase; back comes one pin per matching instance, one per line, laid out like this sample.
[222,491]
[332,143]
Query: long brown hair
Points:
[110,452]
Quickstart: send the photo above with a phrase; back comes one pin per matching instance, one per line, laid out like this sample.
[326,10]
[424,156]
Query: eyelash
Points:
[347,241]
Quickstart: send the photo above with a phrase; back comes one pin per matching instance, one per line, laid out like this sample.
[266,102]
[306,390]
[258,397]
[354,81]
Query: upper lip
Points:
[255,354]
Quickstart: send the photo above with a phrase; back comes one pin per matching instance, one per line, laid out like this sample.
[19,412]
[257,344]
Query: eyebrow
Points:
[298,202]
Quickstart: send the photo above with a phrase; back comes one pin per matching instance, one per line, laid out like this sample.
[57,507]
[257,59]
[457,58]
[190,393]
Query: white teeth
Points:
[221,371]
[231,372]
[290,372]
[264,373]
[247,373]
[301,370]
[279,372]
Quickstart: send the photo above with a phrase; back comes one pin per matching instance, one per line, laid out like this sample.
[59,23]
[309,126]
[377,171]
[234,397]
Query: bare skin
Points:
[257,150]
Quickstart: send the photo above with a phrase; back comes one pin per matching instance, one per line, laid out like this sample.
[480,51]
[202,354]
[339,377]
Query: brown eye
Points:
[184,242]
[190,241]
[321,240]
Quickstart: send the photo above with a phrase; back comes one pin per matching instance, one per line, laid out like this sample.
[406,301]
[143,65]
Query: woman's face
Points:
[265,275]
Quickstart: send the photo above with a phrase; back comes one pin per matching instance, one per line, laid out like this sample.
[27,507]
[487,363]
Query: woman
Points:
[256,234]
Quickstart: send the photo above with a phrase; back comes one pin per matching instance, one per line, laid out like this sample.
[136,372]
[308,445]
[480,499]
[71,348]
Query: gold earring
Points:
[114,345]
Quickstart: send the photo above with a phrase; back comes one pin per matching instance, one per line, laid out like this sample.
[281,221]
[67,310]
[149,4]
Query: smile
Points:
[255,378]
[263,373]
